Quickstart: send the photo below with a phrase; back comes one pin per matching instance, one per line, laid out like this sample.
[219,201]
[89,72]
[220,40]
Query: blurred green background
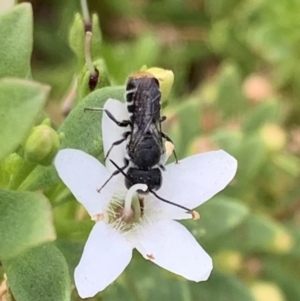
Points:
[237,69]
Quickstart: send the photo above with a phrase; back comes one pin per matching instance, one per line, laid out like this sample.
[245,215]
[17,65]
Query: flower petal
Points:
[105,256]
[175,249]
[83,175]
[196,179]
[111,132]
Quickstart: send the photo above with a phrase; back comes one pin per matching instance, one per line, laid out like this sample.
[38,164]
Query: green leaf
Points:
[72,252]
[221,287]
[252,155]
[20,103]
[81,130]
[286,275]
[266,112]
[41,177]
[16,30]
[187,114]
[26,221]
[230,99]
[256,234]
[228,140]
[295,250]
[218,216]
[39,274]
[145,281]
[219,8]
[287,163]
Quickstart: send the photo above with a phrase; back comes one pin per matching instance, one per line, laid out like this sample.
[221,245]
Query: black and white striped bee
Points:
[145,151]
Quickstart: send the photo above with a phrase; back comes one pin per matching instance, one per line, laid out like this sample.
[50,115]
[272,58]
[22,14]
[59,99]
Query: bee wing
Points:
[156,132]
[135,138]
[148,125]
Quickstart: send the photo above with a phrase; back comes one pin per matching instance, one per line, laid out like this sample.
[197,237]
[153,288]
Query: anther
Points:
[169,146]
[98,217]
[195,215]
[150,256]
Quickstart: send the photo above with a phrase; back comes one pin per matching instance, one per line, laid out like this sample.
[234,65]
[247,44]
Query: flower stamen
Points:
[195,215]
[129,196]
[98,217]
[142,205]
[169,146]
[150,256]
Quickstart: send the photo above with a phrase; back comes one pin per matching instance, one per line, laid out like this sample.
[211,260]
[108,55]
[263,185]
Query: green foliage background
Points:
[236,66]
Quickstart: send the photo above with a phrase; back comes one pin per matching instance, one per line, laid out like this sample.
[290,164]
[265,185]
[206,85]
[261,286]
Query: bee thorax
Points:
[152,178]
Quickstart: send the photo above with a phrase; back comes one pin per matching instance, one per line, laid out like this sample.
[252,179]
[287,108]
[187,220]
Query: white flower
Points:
[125,221]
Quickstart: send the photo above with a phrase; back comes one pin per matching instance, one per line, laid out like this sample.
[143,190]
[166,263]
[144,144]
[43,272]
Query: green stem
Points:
[26,168]
[85,13]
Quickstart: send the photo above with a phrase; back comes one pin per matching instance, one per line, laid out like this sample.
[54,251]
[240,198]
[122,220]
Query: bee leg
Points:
[123,123]
[116,172]
[169,139]
[162,167]
[163,118]
[142,205]
[125,135]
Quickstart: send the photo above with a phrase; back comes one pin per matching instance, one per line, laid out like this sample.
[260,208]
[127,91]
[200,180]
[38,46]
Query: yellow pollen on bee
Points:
[98,217]
[195,215]
[169,146]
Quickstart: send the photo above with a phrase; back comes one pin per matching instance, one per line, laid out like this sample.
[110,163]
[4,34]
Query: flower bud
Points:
[273,136]
[257,88]
[165,78]
[85,79]
[282,243]
[42,145]
[265,291]
[229,261]
[13,163]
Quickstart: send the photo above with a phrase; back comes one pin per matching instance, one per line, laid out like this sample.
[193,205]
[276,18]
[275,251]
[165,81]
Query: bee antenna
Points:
[93,109]
[171,203]
[120,170]
[151,191]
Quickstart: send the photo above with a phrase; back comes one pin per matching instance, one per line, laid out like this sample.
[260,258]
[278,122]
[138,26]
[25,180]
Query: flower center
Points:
[123,214]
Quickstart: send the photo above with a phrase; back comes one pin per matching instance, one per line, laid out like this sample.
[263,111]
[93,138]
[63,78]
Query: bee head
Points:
[136,78]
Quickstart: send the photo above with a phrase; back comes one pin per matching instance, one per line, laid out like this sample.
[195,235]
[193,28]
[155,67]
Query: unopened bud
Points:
[229,261]
[282,243]
[13,163]
[42,145]
[257,88]
[87,82]
[165,78]
[273,136]
[265,291]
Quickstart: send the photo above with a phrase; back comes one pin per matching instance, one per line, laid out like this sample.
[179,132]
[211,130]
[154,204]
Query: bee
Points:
[145,151]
